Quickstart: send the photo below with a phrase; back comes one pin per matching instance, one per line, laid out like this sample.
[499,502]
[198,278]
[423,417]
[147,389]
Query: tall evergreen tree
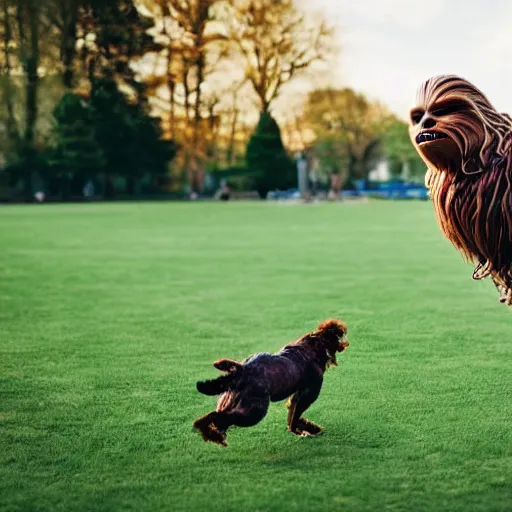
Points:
[266,158]
[77,155]
[129,137]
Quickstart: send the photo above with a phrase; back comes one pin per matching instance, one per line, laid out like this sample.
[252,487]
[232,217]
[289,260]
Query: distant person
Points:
[313,175]
[223,193]
[40,196]
[334,192]
[313,183]
[88,190]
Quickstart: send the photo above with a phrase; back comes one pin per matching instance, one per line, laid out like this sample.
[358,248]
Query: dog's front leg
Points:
[298,404]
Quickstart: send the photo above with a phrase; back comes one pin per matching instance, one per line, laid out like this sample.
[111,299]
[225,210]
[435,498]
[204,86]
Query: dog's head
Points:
[331,335]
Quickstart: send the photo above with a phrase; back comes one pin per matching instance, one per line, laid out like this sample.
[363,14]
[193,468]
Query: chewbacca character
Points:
[466,144]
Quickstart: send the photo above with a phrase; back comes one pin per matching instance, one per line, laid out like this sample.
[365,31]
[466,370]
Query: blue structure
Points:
[398,190]
[386,190]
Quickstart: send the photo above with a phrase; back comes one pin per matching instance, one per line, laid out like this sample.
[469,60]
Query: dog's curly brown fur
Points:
[247,387]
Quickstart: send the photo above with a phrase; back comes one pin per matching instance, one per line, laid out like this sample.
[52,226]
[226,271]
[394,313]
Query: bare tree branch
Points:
[277,42]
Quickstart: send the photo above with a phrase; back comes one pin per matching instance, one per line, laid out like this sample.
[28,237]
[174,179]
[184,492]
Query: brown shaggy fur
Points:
[467,146]
[248,387]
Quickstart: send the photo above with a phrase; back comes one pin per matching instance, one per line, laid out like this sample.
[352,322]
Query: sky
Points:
[388,47]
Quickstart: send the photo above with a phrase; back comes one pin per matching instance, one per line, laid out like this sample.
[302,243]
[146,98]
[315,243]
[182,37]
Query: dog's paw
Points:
[211,434]
[218,436]
[307,433]
[308,426]
[304,433]
[217,439]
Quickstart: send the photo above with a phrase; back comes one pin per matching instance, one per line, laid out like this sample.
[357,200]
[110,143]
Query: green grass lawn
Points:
[109,314]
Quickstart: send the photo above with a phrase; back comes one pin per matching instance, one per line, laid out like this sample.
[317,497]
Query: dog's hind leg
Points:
[244,409]
[250,409]
[207,429]
[297,405]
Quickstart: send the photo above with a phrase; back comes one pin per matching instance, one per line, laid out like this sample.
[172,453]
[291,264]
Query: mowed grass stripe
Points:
[110,313]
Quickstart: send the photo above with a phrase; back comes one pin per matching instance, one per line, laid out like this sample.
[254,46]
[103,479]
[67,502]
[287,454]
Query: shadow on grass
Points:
[271,445]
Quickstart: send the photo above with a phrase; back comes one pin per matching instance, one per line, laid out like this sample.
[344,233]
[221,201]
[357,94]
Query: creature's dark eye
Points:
[451,107]
[416,116]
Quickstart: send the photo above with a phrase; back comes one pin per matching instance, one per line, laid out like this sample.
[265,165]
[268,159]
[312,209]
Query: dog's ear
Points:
[333,326]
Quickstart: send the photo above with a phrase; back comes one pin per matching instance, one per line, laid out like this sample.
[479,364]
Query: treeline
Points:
[352,134]
[75,113]
[125,97]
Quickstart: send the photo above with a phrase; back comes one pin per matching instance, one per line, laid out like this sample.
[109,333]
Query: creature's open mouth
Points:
[429,137]
[343,346]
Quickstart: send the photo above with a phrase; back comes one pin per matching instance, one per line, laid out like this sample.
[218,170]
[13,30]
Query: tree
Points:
[331,154]
[9,63]
[54,47]
[267,161]
[112,34]
[130,139]
[233,115]
[400,152]
[25,57]
[194,43]
[349,129]
[28,20]
[63,15]
[104,36]
[21,28]
[276,42]
[67,19]
[77,155]
[102,137]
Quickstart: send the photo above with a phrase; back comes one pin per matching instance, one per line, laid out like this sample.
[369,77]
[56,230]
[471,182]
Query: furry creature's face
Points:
[453,126]
[333,335]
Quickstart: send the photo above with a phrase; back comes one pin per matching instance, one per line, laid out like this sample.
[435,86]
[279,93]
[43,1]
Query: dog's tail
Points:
[216,386]
[227,365]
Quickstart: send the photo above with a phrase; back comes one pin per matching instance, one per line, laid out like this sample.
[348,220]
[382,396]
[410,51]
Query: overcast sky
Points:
[390,46]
